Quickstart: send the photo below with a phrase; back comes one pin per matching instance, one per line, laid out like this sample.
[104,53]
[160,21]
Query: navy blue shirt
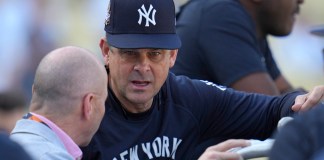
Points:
[11,150]
[219,43]
[186,117]
[301,138]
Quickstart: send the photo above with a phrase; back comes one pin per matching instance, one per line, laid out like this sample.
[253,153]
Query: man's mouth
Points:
[141,83]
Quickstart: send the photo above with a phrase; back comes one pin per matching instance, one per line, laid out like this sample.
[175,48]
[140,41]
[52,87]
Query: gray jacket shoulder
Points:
[39,141]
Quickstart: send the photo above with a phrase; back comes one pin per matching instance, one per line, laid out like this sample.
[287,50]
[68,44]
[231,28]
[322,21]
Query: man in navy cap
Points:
[153,114]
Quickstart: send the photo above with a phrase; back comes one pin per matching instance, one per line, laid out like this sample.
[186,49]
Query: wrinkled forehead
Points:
[138,49]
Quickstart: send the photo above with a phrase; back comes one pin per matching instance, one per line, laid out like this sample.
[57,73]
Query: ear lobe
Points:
[87,106]
[33,90]
[106,59]
[104,50]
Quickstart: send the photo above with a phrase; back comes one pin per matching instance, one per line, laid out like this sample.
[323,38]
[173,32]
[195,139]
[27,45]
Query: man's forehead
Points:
[140,49]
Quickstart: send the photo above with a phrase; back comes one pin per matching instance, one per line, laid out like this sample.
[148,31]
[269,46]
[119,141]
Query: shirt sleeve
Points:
[301,138]
[225,113]
[270,62]
[288,144]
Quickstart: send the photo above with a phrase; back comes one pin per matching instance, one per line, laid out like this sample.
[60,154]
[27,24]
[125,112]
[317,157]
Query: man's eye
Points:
[156,56]
[129,53]
[154,53]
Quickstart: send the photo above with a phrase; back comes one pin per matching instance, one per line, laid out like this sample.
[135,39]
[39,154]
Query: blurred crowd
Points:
[31,28]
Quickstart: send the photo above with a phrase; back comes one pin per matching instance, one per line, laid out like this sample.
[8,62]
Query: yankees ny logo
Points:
[144,13]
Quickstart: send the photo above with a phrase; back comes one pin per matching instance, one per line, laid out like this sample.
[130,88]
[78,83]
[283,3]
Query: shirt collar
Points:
[71,147]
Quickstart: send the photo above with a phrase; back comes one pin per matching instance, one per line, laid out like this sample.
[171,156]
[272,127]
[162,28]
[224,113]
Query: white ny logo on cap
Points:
[144,13]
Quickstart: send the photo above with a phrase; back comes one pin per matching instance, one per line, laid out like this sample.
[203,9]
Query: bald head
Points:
[65,75]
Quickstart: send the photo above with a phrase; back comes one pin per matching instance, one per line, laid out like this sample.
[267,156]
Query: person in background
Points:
[225,42]
[21,48]
[67,105]
[12,108]
[302,138]
[10,150]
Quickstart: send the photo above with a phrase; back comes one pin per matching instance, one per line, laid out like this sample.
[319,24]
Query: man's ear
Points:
[173,57]
[33,89]
[87,107]
[104,49]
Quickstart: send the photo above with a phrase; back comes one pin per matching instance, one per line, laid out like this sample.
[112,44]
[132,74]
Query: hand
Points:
[218,152]
[307,101]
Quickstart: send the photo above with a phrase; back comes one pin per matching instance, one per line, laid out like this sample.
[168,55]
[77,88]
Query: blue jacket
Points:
[11,150]
[39,141]
[301,138]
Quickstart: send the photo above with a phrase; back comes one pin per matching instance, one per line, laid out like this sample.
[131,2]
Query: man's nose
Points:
[143,63]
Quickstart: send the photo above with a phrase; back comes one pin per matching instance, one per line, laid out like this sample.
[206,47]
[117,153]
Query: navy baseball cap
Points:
[142,24]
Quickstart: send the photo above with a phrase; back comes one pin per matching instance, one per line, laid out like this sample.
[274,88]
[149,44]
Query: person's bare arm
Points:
[259,82]
[283,85]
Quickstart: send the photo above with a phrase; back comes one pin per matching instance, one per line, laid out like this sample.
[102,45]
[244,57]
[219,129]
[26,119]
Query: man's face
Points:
[136,75]
[98,106]
[277,17]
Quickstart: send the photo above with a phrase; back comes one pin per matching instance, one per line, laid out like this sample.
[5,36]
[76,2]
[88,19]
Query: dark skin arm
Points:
[261,82]
[283,85]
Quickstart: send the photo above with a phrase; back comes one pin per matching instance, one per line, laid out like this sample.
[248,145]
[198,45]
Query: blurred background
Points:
[300,55]
[31,28]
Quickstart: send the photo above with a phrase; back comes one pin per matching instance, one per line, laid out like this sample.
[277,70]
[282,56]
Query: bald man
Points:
[67,106]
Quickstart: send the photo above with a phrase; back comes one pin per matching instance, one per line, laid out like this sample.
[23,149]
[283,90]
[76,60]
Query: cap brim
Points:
[160,41]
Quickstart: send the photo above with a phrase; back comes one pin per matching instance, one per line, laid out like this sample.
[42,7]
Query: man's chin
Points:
[139,100]
[136,98]
[282,33]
